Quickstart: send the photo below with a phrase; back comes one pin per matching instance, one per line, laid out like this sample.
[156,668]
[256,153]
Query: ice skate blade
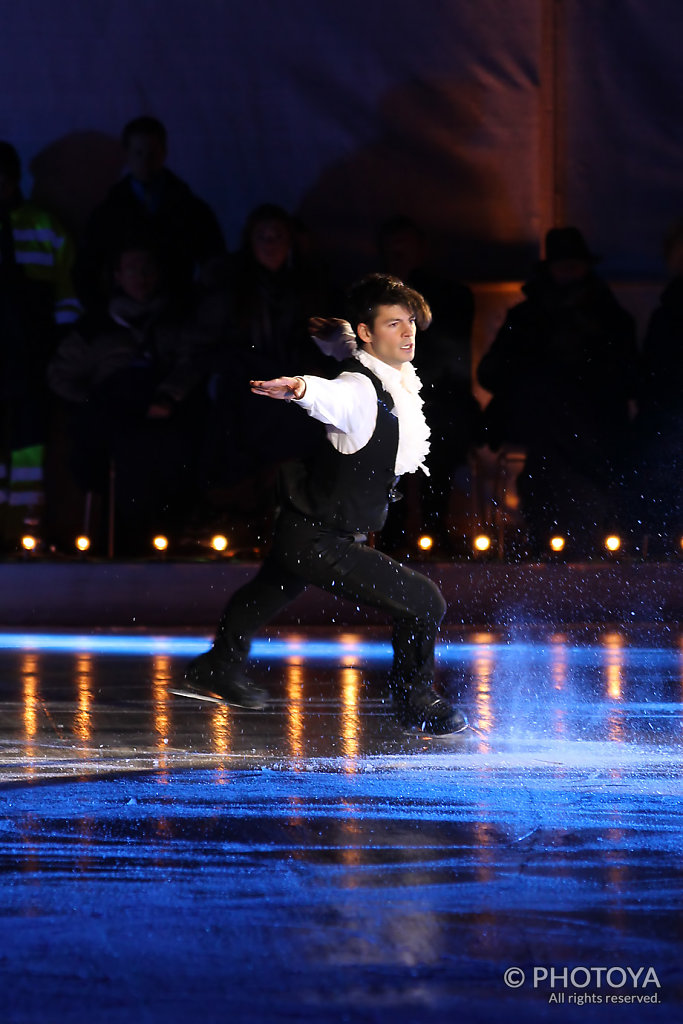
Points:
[205,695]
[415,728]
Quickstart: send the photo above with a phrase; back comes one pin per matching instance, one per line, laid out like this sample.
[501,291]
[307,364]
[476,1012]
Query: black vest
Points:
[349,493]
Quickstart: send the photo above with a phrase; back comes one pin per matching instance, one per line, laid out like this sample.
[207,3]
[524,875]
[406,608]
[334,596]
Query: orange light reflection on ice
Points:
[84,691]
[483,671]
[161,679]
[350,724]
[614,670]
[294,685]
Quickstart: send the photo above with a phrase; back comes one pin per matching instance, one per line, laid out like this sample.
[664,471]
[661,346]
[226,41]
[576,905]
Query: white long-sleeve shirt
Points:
[347,406]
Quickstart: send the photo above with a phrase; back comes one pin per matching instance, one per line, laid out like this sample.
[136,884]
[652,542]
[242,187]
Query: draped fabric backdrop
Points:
[465,114]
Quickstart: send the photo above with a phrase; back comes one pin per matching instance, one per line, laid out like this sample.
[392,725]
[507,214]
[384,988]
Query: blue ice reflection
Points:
[349,648]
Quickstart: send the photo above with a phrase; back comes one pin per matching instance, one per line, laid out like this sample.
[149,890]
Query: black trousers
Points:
[305,553]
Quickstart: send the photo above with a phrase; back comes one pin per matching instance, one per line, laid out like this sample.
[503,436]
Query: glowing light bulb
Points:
[219,542]
[557,543]
[29,543]
[482,542]
[613,543]
[83,543]
[425,542]
[160,542]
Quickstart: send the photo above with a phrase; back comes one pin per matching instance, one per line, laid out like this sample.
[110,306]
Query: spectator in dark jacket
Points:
[269,292]
[132,377]
[150,199]
[561,371]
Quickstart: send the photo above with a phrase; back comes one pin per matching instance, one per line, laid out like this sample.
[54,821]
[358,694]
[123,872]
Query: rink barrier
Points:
[138,594]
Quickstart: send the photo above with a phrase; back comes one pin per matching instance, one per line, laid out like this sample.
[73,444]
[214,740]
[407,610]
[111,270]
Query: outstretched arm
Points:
[347,404]
[281,387]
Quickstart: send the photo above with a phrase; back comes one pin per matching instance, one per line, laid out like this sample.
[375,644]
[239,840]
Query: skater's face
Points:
[392,335]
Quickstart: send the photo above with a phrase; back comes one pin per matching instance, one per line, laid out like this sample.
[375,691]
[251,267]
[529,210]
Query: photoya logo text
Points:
[584,977]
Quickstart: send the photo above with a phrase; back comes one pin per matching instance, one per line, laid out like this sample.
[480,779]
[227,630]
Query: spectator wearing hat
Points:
[561,371]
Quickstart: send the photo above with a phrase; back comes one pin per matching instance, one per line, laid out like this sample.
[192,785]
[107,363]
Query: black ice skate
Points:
[209,679]
[421,707]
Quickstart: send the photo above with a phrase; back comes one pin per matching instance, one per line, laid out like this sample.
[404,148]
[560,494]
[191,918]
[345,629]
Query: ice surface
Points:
[169,861]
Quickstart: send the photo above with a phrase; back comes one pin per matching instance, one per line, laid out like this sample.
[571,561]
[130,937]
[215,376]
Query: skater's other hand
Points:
[333,337]
[281,387]
[324,327]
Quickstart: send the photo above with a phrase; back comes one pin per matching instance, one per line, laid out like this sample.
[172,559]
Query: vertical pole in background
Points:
[552,149]
[111,508]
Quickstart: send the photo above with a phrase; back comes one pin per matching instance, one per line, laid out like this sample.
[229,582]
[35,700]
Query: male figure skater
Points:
[375,432]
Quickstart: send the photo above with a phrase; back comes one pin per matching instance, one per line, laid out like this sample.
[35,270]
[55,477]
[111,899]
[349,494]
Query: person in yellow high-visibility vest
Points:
[36,298]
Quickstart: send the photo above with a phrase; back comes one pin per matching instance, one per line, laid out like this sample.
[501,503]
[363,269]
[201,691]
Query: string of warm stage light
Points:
[160,543]
[611,544]
[483,544]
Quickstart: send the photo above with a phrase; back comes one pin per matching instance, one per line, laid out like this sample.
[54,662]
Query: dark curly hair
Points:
[375,290]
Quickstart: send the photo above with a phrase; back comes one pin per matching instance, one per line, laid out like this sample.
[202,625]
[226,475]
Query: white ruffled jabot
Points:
[404,387]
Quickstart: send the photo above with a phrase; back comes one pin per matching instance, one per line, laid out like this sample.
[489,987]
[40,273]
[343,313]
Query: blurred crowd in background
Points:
[126,356]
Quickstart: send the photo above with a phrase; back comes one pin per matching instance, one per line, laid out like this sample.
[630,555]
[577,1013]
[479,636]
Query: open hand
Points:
[280,387]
